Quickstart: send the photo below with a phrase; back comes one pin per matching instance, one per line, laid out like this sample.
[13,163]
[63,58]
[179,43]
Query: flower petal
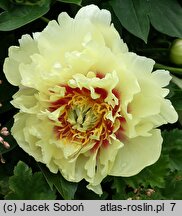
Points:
[138,153]
[25,139]
[168,112]
[26,101]
[18,55]
[93,13]
[95,188]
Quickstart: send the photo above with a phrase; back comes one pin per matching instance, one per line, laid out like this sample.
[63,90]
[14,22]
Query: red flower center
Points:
[85,120]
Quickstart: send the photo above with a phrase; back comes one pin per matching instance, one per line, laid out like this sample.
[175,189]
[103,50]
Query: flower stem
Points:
[153,50]
[171,69]
[44,19]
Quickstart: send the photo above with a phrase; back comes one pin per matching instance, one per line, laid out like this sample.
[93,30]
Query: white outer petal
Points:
[96,15]
[18,55]
[168,112]
[162,77]
[138,153]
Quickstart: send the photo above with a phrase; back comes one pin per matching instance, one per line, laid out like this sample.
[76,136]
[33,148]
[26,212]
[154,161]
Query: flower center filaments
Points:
[83,120]
[82,114]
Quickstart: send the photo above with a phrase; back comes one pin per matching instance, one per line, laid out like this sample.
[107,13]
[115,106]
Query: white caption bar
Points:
[90,207]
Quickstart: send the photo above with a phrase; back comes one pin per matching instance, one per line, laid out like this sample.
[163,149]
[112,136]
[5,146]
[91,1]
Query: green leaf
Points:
[78,2]
[133,16]
[5,4]
[25,185]
[172,140]
[66,189]
[180,116]
[28,2]
[173,189]
[20,15]
[172,145]
[4,186]
[175,96]
[119,185]
[166,16]
[177,100]
[136,16]
[152,175]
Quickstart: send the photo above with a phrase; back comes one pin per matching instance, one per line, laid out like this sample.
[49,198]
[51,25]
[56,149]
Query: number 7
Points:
[173,204]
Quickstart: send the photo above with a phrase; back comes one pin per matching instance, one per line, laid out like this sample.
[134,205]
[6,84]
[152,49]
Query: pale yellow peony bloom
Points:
[88,107]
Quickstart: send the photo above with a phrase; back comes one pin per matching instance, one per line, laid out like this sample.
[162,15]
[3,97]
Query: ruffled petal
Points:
[18,55]
[25,139]
[93,13]
[26,100]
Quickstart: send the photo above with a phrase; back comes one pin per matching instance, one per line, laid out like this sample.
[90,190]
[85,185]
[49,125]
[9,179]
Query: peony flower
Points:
[88,107]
